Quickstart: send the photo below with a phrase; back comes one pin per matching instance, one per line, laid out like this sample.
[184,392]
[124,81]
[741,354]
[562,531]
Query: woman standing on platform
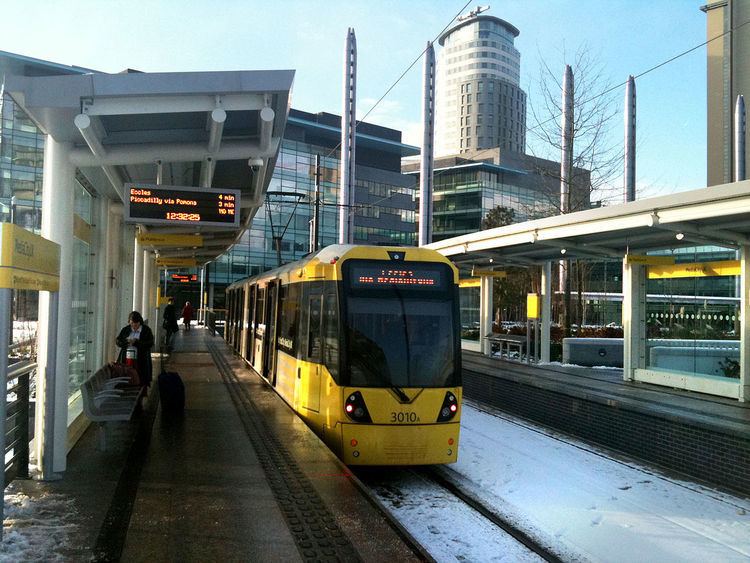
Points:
[136,339]
[187,315]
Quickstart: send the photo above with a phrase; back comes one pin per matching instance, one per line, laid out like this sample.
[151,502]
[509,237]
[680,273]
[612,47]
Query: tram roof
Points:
[135,119]
[719,215]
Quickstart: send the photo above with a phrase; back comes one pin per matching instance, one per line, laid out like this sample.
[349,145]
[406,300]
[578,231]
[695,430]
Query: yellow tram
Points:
[363,342]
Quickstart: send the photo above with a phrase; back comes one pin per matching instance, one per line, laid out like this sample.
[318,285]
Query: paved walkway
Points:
[197,487]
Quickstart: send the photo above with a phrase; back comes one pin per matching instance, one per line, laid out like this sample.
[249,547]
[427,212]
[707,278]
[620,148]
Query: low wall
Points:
[699,356]
[593,351]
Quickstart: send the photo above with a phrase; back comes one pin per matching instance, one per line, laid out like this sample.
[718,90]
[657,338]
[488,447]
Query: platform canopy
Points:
[719,215]
[210,130]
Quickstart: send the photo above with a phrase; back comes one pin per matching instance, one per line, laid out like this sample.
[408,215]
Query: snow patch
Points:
[37,529]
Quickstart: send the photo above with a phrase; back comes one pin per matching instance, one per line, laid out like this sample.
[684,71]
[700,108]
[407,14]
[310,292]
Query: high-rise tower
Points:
[479,102]
[728,75]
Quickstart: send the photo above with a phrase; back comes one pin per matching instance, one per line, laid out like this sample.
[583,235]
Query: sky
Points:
[624,36]
[577,500]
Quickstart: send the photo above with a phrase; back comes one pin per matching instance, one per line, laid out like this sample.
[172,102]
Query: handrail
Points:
[18,394]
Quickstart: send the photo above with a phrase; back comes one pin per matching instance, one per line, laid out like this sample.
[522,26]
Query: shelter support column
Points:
[145,308]
[51,427]
[485,313]
[745,324]
[138,256]
[100,250]
[633,319]
[546,317]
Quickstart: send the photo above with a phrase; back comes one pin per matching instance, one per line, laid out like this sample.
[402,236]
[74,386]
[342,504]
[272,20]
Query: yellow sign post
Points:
[695,270]
[177,262]
[469,282]
[532,305]
[28,261]
[157,239]
[649,260]
[491,273]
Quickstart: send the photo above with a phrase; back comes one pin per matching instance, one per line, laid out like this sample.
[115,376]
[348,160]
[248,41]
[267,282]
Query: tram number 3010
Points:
[404,417]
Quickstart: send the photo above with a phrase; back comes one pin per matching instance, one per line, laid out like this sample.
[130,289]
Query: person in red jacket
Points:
[187,315]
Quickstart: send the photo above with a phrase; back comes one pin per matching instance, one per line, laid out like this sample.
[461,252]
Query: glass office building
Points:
[465,190]
[385,201]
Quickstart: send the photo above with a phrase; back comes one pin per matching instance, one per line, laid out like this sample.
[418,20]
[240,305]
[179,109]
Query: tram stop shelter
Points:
[118,137]
[630,232]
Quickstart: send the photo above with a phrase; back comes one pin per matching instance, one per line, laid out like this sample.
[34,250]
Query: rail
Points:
[18,413]
[215,320]
[505,343]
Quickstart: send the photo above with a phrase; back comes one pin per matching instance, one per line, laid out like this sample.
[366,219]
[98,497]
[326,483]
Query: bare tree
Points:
[597,153]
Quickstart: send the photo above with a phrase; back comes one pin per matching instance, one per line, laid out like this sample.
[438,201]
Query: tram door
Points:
[269,351]
[250,325]
[239,305]
[311,400]
[260,329]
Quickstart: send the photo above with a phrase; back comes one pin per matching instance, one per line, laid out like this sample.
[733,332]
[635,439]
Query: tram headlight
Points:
[355,407]
[449,408]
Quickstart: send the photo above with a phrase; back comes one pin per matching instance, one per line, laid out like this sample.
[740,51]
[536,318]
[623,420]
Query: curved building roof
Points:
[510,27]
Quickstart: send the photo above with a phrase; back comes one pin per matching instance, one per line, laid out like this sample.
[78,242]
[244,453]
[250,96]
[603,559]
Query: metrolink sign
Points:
[28,261]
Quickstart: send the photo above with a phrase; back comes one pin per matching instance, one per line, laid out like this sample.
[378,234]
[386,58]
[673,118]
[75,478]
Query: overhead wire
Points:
[478,155]
[552,118]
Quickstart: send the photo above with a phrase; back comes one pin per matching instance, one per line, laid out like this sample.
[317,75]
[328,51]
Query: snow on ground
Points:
[443,525]
[594,506]
[37,529]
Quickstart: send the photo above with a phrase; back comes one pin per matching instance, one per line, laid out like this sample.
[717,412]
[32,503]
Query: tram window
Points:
[259,307]
[251,306]
[290,306]
[331,331]
[313,333]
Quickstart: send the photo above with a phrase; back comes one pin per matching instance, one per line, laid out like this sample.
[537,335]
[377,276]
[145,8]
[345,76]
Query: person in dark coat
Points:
[139,336]
[187,315]
[170,322]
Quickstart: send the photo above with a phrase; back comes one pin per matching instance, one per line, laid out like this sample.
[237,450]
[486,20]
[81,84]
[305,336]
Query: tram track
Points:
[446,479]
[446,484]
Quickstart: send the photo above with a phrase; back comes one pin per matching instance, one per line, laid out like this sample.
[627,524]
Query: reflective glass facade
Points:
[384,199]
[21,161]
[465,190]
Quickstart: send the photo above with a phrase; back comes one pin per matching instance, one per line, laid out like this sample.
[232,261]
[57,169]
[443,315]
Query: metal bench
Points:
[109,399]
[507,342]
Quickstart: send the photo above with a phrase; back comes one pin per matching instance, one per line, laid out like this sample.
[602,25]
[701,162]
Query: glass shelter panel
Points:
[692,323]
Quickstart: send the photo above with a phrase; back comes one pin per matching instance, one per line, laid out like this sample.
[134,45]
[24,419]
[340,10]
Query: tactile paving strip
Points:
[314,528]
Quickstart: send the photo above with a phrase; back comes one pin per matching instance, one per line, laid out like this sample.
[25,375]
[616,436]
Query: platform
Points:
[700,436]
[238,477]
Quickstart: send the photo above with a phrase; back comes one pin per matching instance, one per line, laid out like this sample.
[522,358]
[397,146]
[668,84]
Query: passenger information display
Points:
[389,274]
[179,205]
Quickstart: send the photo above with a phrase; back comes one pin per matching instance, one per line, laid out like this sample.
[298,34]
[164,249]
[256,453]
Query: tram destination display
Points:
[180,205]
[398,274]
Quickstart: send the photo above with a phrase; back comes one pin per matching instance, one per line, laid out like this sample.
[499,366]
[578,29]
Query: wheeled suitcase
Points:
[171,392]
